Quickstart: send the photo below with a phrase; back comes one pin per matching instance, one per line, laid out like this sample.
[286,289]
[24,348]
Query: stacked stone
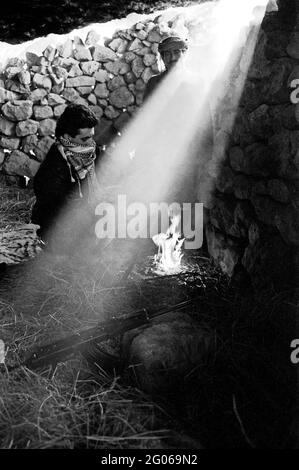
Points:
[254,218]
[110,78]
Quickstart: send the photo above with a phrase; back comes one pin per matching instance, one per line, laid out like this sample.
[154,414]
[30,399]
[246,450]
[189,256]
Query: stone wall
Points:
[254,220]
[109,77]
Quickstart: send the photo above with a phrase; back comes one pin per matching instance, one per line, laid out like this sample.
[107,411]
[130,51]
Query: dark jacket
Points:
[152,84]
[53,188]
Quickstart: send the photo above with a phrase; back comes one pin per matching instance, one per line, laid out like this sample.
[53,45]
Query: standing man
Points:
[65,186]
[171,49]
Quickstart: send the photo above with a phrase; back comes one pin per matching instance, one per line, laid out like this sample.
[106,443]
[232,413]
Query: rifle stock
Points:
[63,349]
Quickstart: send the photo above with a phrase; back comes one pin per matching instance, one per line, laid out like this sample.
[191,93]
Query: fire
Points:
[169,244]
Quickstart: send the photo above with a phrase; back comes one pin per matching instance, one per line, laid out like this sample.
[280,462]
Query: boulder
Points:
[18,163]
[6,95]
[42,81]
[137,67]
[54,99]
[70,94]
[49,53]
[111,112]
[47,127]
[29,143]
[163,354]
[101,76]
[118,45]
[293,46]
[84,80]
[66,49]
[58,110]
[90,67]
[10,143]
[75,71]
[92,99]
[27,127]
[84,90]
[42,147]
[224,251]
[121,97]
[101,90]
[118,67]
[121,121]
[149,59]
[38,94]
[97,111]
[42,112]
[135,45]
[7,127]
[115,83]
[92,38]
[103,54]
[17,110]
[82,53]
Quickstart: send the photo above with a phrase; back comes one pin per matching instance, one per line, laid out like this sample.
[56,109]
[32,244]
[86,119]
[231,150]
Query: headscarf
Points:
[172,42]
[81,158]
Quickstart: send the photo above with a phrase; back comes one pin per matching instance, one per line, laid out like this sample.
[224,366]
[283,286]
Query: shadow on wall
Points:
[253,222]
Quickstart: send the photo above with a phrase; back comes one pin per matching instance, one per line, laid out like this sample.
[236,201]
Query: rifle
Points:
[84,341]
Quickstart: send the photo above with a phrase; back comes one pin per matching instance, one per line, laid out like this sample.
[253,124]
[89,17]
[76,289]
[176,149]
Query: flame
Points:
[169,244]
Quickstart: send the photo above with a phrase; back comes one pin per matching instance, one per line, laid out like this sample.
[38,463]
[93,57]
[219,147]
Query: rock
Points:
[41,81]
[42,112]
[29,143]
[117,68]
[7,127]
[24,77]
[18,110]
[164,353]
[58,89]
[15,62]
[265,208]
[84,80]
[10,143]
[97,111]
[130,78]
[287,222]
[104,132]
[137,67]
[260,122]
[6,95]
[38,94]
[101,76]
[135,44]
[257,160]
[146,74]
[277,45]
[122,121]
[43,146]
[101,90]
[81,100]
[75,71]
[90,67]
[222,217]
[118,45]
[293,46]
[129,56]
[18,163]
[92,99]
[242,187]
[111,112]
[115,83]
[84,90]
[47,127]
[222,249]
[68,62]
[2,156]
[11,72]
[27,127]
[274,188]
[149,59]
[144,51]
[58,110]
[49,53]
[82,53]
[225,180]
[92,38]
[103,54]
[154,35]
[66,49]
[54,99]
[70,94]
[32,59]
[121,97]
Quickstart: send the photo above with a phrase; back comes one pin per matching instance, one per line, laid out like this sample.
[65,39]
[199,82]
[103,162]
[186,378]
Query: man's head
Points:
[76,124]
[171,49]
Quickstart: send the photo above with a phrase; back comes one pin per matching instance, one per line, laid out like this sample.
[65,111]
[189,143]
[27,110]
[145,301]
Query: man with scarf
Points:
[66,186]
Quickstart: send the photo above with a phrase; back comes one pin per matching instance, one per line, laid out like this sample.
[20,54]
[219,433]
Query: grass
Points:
[241,396]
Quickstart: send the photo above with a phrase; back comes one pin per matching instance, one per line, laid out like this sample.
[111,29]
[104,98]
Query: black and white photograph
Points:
[149,228]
